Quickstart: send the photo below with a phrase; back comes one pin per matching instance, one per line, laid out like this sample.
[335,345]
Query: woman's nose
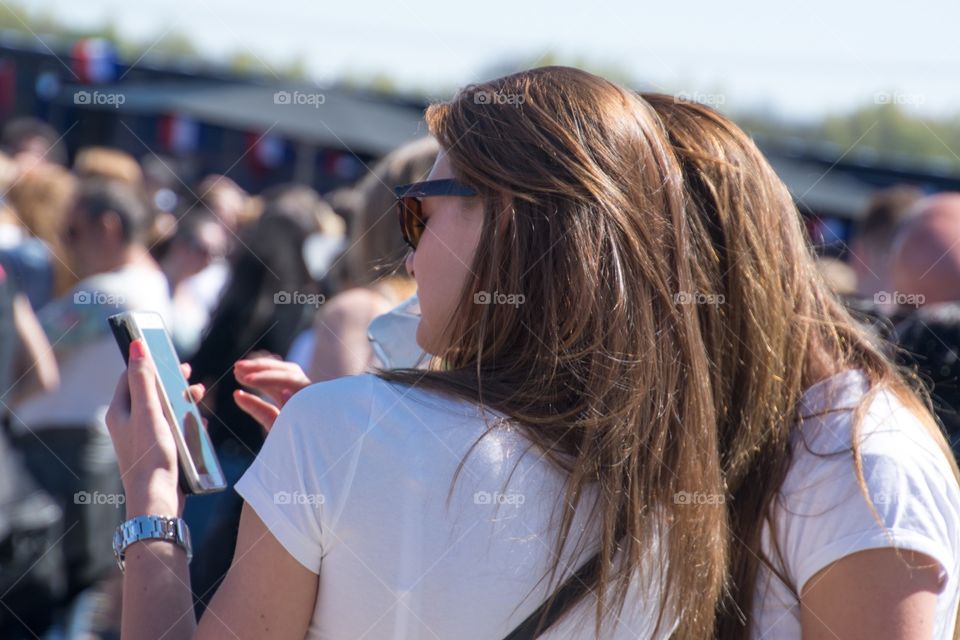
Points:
[408,263]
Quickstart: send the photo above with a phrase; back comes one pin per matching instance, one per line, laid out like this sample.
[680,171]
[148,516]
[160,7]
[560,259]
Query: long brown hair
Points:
[672,317]
[749,231]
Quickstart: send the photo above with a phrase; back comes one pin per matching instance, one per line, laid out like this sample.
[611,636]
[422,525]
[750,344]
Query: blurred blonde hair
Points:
[41,199]
[375,244]
[112,164]
[839,276]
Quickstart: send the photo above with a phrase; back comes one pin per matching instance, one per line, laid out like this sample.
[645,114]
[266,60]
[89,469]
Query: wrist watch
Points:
[151,527]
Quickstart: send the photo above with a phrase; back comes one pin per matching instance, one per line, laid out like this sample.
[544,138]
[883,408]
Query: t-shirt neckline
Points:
[839,391]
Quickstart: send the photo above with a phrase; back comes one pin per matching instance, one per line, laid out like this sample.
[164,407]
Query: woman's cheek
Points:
[427,292]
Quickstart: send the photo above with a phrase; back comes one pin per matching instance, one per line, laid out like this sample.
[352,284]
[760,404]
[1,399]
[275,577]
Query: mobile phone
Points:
[200,470]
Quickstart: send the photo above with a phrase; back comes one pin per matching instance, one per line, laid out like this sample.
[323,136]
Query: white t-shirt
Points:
[194,302]
[354,479]
[822,515]
[90,362]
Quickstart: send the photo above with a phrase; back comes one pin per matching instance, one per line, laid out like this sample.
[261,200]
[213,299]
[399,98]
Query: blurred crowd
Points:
[283,274]
[901,275]
[287,274]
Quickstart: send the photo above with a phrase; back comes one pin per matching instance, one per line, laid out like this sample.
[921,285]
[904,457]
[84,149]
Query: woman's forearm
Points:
[157,598]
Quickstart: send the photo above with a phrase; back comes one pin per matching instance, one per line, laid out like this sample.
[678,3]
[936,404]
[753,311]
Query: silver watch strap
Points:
[151,527]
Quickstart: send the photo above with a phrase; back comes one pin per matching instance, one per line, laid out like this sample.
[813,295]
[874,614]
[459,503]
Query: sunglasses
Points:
[410,205]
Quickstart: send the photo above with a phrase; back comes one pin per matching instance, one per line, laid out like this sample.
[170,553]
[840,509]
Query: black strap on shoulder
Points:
[568,591]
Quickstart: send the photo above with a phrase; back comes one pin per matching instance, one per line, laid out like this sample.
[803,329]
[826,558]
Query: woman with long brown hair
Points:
[624,318]
[843,500]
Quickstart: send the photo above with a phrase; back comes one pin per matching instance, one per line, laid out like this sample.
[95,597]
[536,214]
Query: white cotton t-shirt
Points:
[822,515]
[90,362]
[353,481]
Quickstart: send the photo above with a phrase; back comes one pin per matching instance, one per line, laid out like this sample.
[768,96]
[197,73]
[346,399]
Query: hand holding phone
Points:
[199,468]
[146,452]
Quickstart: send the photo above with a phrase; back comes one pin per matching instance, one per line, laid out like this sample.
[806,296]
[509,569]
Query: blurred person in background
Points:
[370,281]
[32,567]
[871,247]
[376,216]
[926,283]
[28,259]
[199,240]
[108,164]
[839,276]
[224,199]
[32,141]
[925,259]
[61,433]
[35,365]
[345,201]
[929,341]
[28,276]
[41,197]
[197,295]
[269,299]
[266,263]
[258,310]
[322,252]
[368,276]
[162,184]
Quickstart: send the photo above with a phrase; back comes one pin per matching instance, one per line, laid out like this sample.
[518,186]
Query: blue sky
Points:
[799,59]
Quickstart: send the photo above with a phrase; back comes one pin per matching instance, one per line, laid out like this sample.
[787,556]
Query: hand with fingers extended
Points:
[272,377]
[146,450]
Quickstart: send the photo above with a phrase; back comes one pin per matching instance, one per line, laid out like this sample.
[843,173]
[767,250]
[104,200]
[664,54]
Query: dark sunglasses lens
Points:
[411,222]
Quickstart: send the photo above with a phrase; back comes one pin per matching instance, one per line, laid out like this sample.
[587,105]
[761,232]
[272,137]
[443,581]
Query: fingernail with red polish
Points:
[137,351]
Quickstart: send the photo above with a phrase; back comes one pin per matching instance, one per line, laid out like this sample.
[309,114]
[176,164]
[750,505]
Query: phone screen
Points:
[185,411]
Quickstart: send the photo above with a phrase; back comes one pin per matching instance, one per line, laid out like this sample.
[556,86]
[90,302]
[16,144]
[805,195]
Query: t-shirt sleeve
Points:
[297,484]
[823,515]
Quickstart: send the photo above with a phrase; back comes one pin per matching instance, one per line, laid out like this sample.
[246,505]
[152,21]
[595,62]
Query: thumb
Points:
[142,380]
